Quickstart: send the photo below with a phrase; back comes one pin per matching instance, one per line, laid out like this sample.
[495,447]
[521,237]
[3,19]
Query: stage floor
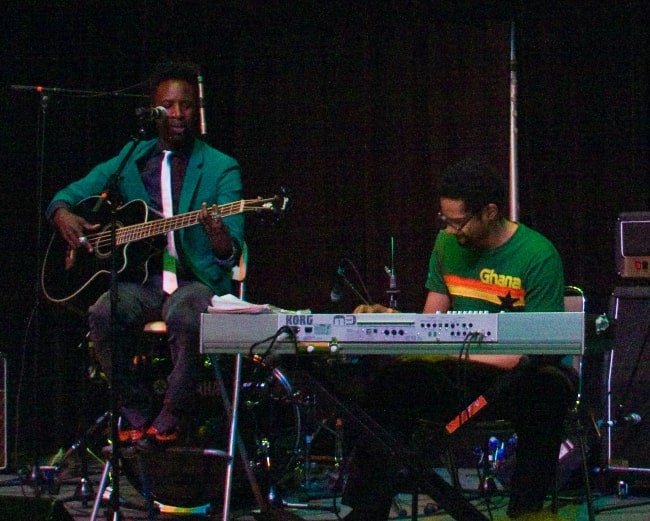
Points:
[21,500]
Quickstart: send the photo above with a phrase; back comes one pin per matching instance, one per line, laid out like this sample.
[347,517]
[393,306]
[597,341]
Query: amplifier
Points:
[627,384]
[633,245]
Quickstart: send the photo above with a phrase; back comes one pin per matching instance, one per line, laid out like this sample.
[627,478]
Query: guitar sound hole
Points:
[103,247]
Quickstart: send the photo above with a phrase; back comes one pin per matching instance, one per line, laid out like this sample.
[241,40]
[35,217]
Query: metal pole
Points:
[514,187]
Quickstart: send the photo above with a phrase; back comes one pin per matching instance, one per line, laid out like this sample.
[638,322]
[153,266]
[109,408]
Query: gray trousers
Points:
[138,304]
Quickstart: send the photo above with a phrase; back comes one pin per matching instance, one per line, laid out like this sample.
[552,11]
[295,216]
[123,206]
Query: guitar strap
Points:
[170,284]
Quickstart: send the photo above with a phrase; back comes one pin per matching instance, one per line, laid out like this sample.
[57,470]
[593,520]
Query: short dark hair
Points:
[476,183]
[174,70]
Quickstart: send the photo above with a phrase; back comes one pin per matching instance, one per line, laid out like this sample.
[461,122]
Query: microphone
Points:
[151,113]
[336,294]
[633,418]
[203,126]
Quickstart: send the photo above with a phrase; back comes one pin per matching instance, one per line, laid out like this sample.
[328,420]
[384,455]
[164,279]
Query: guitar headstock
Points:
[278,205]
[282,203]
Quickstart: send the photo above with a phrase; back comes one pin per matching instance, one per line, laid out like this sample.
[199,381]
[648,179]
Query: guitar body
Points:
[66,273]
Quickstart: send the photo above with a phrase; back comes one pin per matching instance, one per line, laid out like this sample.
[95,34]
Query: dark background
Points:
[355,106]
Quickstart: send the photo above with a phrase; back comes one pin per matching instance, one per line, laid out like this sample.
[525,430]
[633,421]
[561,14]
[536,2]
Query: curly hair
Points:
[476,183]
[174,70]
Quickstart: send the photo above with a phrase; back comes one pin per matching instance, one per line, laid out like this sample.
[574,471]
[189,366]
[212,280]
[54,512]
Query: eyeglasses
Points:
[443,222]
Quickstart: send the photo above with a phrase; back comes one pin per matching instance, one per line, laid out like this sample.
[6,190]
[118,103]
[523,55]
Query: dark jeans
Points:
[137,305]
[403,394]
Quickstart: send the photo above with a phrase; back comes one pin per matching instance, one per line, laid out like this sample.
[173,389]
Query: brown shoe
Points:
[155,441]
[162,437]
[130,435]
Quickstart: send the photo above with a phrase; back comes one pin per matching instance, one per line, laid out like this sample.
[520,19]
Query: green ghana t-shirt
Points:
[523,274]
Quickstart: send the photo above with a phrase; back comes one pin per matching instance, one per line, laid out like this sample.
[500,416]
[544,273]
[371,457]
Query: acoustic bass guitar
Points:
[67,272]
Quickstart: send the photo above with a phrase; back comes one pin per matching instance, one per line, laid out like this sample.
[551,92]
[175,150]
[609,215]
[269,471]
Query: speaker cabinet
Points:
[627,427]
[32,509]
[632,245]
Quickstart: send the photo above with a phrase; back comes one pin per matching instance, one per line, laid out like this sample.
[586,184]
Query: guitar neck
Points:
[136,232]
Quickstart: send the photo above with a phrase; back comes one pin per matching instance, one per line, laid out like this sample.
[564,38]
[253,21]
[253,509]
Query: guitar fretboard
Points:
[136,232]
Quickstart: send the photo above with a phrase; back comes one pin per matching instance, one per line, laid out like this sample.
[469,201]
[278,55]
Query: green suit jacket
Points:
[211,177]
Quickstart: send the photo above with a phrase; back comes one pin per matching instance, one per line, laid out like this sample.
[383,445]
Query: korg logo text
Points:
[299,320]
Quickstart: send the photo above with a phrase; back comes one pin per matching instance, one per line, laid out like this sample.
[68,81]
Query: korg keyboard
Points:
[560,333]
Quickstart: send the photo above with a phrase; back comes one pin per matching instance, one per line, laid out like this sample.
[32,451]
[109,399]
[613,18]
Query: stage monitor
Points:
[633,245]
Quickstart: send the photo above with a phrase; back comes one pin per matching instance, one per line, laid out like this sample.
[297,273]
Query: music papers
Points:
[230,304]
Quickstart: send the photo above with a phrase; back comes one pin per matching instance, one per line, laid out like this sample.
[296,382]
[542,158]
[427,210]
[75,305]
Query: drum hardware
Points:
[255,488]
[305,398]
[311,431]
[84,491]
[494,463]
[105,491]
[29,476]
[424,479]
[188,477]
[270,427]
[276,474]
[309,405]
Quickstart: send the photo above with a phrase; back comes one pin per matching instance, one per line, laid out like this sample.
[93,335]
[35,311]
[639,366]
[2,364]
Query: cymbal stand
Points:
[100,490]
[84,490]
[103,487]
[81,446]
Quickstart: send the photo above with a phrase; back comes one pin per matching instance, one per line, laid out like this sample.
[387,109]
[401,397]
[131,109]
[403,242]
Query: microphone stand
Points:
[111,198]
[349,284]
[58,90]
[45,94]
[35,477]
[111,189]
[392,290]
